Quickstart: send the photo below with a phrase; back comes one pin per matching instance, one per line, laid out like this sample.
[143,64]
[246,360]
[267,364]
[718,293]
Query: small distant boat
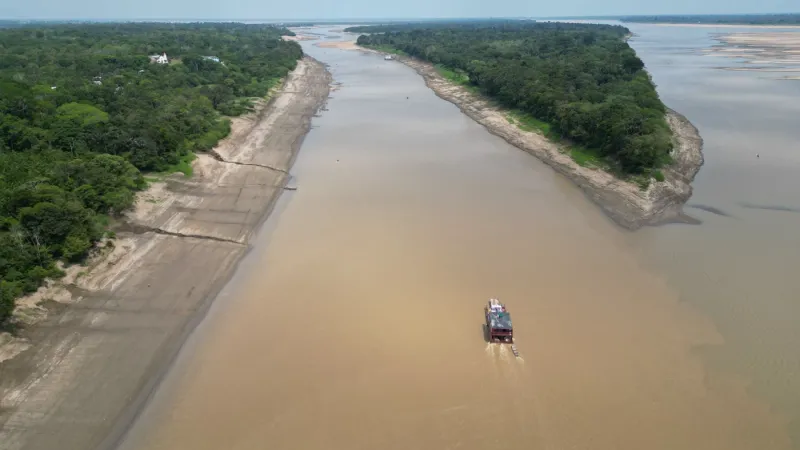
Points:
[388,57]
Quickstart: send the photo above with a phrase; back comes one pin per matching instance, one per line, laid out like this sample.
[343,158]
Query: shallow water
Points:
[740,270]
[356,320]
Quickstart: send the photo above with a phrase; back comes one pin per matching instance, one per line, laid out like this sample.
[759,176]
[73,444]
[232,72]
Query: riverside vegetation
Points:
[84,111]
[578,82]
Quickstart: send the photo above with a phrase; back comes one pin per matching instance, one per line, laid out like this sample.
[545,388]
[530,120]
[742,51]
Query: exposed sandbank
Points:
[623,201]
[299,37]
[711,25]
[78,378]
[780,51]
[343,45]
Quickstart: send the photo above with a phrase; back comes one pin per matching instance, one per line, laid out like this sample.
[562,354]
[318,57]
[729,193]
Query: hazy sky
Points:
[338,9]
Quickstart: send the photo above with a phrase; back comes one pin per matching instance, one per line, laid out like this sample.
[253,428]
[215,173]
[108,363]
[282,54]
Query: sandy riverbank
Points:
[623,201]
[106,333]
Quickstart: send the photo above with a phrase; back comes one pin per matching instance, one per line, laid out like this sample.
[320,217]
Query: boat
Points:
[388,57]
[498,322]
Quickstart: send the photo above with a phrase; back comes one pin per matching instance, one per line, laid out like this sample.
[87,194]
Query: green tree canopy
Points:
[83,110]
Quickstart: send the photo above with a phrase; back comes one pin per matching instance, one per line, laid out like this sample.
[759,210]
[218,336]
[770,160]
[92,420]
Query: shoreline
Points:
[106,335]
[624,202]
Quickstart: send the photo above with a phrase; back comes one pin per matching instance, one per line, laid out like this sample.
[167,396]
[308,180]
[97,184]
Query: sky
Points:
[367,9]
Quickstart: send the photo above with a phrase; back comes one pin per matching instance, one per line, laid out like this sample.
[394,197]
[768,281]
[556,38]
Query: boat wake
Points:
[504,352]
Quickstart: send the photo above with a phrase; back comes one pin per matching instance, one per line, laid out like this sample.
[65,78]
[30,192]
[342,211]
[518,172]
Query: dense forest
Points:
[85,108]
[721,19]
[583,80]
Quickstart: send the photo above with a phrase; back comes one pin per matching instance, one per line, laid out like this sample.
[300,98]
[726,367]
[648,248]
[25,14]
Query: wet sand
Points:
[357,322]
[94,360]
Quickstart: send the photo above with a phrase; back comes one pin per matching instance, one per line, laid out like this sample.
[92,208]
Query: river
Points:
[355,321]
[739,269]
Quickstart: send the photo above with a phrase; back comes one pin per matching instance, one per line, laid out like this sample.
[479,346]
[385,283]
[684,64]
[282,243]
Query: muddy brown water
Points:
[740,270]
[356,320]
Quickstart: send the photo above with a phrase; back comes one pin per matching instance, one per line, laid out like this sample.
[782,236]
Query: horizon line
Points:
[346,19]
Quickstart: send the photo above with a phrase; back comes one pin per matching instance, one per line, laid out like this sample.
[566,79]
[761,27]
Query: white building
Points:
[159,59]
[211,58]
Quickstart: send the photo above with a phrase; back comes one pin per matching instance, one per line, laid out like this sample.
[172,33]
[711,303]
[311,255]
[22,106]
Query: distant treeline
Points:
[583,80]
[83,109]
[398,26]
[721,19]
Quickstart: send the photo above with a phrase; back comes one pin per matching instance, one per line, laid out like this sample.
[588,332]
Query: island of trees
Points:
[579,82]
[85,109]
